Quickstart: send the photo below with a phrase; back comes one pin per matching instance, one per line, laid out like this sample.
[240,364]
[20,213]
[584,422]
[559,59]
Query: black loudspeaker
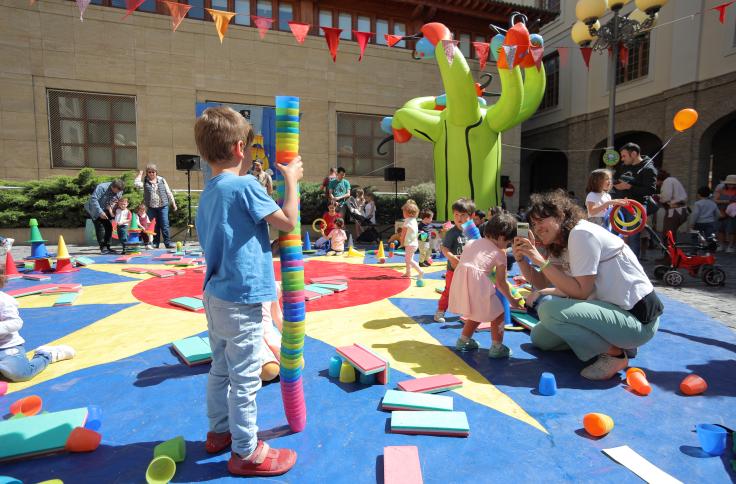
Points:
[505,180]
[187,162]
[394,174]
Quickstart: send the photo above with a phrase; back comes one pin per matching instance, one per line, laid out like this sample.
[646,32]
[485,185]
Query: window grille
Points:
[358,136]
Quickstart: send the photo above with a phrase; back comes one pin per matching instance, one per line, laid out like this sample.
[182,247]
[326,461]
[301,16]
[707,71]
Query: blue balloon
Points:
[425,49]
[496,44]
[482,101]
[536,40]
[441,100]
[386,124]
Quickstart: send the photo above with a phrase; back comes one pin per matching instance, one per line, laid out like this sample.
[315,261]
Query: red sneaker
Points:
[264,461]
[217,442]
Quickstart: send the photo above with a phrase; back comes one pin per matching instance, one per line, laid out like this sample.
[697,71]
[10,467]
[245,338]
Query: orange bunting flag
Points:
[482,49]
[131,6]
[177,11]
[263,24]
[449,47]
[537,54]
[586,51]
[299,30]
[564,56]
[363,38]
[623,55]
[221,19]
[392,40]
[722,10]
[82,4]
[332,36]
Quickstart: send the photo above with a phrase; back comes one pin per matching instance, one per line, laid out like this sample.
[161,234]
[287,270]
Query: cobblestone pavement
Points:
[717,302]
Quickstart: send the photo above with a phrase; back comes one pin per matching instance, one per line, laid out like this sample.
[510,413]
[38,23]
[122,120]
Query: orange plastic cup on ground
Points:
[82,439]
[28,406]
[637,380]
[693,385]
[597,424]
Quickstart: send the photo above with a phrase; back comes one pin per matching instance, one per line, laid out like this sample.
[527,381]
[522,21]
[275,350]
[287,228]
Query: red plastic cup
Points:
[693,385]
[83,440]
[28,406]
[637,380]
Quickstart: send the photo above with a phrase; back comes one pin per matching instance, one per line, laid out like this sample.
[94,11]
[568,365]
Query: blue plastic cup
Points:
[94,418]
[367,379]
[712,438]
[335,364]
[547,384]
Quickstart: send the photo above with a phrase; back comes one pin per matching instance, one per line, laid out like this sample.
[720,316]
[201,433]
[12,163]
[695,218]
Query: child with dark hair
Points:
[473,293]
[337,238]
[598,201]
[425,249]
[705,214]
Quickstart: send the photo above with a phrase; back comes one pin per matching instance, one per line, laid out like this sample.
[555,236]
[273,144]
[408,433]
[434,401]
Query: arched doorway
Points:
[548,170]
[650,145]
[718,151]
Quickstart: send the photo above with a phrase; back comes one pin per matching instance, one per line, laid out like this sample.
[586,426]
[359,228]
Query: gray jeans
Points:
[588,328]
[236,338]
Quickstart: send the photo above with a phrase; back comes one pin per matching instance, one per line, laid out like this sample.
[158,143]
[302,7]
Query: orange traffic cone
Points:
[11,272]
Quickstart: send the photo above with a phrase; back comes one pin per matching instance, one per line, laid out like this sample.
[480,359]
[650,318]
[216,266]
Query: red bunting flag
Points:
[510,52]
[177,11]
[722,10]
[586,52]
[392,40]
[131,6]
[263,24]
[222,20]
[623,55]
[82,4]
[299,30]
[363,38]
[537,54]
[332,36]
[482,49]
[449,47]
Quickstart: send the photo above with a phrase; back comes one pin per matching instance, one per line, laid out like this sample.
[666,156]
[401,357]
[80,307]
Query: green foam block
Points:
[190,303]
[193,350]
[39,434]
[398,400]
[319,290]
[430,422]
[525,320]
[66,299]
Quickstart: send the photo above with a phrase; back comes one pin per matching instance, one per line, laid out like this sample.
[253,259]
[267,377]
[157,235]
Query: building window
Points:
[264,8]
[286,15]
[552,92]
[551,5]
[358,136]
[197,10]
[638,62]
[400,29]
[219,4]
[381,31]
[364,24]
[242,11]
[464,45]
[345,22]
[325,20]
[95,130]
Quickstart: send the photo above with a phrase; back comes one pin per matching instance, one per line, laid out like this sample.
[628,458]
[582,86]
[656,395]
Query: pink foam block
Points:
[431,384]
[328,280]
[31,290]
[401,465]
[362,359]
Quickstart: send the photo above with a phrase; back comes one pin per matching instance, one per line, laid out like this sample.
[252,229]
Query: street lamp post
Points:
[618,31]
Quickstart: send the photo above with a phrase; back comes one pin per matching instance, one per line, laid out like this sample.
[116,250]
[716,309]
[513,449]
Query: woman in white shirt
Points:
[606,303]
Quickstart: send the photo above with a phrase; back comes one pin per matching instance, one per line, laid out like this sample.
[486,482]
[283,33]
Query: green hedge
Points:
[59,201]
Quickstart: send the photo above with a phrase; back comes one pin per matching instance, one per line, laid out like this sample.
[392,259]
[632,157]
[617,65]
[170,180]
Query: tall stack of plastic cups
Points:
[292,276]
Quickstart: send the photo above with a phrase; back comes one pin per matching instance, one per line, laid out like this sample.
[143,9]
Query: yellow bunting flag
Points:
[177,11]
[222,20]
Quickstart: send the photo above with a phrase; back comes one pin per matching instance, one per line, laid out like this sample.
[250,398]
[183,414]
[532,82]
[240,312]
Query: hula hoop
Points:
[324,222]
[622,227]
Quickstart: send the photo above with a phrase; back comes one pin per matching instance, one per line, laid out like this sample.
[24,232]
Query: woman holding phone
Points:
[604,305]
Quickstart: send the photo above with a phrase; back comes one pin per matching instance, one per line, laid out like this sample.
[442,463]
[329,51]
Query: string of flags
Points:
[222,18]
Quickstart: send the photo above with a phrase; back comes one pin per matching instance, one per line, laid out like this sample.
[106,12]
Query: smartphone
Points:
[522,230]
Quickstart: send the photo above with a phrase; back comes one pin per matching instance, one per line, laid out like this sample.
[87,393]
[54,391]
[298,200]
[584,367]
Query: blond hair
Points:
[411,208]
[217,130]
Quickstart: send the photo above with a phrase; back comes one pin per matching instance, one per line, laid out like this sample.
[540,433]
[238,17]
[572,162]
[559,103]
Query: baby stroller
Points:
[696,258]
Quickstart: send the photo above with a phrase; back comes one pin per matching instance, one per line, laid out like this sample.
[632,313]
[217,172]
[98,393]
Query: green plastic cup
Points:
[161,470]
[175,448]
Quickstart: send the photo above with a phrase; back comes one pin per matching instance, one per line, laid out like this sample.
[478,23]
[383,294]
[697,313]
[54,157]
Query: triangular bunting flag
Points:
[332,36]
[82,4]
[177,11]
[392,40]
[586,51]
[299,30]
[449,46]
[722,11]
[623,55]
[131,6]
[510,53]
[222,20]
[564,56]
[263,24]
[482,49]
[537,54]
[363,38]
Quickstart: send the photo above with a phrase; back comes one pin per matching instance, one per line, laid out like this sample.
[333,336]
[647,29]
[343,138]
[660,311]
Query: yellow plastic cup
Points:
[161,470]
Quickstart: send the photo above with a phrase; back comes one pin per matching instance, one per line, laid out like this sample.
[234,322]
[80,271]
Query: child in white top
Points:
[599,200]
[410,237]
[123,218]
[369,209]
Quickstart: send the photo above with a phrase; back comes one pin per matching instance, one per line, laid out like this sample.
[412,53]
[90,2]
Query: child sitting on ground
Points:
[410,238]
[329,217]
[336,238]
[473,295]
[144,222]
[122,219]
[14,366]
[425,249]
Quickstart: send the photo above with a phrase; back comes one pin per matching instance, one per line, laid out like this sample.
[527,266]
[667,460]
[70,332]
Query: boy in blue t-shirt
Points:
[232,224]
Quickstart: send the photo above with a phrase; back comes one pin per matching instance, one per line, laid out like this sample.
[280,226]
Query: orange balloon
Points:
[684,119]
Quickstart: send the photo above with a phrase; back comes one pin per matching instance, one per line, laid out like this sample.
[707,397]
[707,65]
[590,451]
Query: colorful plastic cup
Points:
[547,384]
[597,424]
[347,373]
[712,438]
[175,448]
[637,380]
[693,385]
[82,440]
[161,470]
[9,480]
[367,379]
[335,364]
[28,406]
[94,418]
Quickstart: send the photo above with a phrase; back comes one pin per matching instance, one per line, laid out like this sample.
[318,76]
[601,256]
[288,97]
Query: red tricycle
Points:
[699,262]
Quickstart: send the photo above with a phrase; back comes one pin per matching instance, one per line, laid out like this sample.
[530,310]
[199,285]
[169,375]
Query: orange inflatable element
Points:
[637,380]
[684,119]
[597,424]
[693,385]
[435,32]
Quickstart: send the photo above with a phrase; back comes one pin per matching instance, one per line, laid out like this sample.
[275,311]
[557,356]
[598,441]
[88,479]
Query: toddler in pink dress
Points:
[473,294]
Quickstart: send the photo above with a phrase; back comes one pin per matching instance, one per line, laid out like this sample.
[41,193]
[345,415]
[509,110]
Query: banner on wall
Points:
[263,121]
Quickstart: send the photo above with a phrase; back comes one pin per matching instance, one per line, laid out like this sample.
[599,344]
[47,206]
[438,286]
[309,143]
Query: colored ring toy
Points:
[639,222]
[324,223]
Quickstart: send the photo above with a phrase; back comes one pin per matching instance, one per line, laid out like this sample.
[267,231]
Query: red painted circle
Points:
[366,284]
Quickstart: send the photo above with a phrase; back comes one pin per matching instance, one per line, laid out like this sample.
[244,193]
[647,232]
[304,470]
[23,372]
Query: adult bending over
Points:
[101,209]
[157,197]
[605,303]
